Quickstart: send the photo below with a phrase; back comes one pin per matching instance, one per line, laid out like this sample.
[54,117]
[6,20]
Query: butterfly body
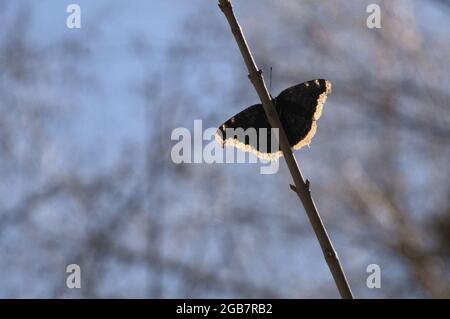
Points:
[298,107]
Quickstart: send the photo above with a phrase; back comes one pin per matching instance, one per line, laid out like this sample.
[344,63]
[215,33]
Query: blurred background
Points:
[86,176]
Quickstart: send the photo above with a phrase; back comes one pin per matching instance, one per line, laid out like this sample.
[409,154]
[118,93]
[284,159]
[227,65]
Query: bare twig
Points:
[301,188]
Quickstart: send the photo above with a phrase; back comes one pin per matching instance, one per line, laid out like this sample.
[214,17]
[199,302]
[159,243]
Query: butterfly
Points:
[298,107]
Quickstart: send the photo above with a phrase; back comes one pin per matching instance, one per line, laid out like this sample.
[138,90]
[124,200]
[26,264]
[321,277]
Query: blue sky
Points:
[111,111]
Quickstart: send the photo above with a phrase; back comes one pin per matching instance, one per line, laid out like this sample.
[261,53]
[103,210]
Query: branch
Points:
[301,187]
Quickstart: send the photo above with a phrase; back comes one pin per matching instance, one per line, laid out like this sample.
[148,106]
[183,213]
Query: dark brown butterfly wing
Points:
[252,117]
[299,107]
